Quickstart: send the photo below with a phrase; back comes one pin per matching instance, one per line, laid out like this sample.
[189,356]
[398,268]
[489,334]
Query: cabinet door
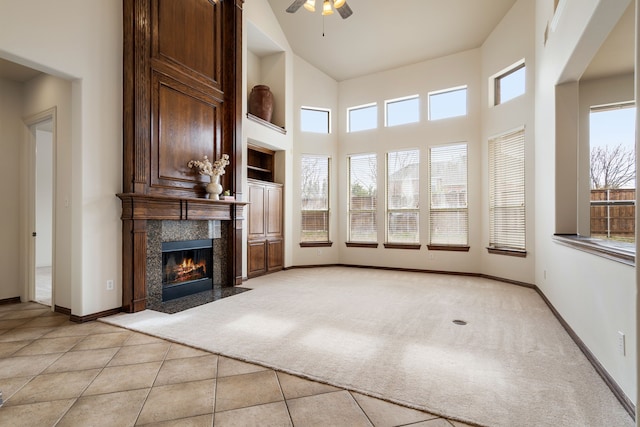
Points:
[273,214]
[275,252]
[256,211]
[257,262]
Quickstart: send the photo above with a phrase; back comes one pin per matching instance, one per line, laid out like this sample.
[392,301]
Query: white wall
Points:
[11,139]
[82,41]
[594,295]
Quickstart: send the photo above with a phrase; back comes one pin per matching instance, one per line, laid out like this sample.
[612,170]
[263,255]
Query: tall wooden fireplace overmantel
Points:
[137,209]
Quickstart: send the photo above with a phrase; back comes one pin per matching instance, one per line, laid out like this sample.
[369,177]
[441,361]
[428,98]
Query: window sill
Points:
[508,252]
[454,248]
[316,244]
[622,253]
[402,246]
[361,245]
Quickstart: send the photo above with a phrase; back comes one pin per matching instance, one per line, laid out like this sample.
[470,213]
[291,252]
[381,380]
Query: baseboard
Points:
[14,300]
[611,383]
[626,403]
[62,310]
[94,316]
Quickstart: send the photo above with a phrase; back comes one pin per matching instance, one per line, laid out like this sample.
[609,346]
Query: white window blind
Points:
[315,198]
[363,191]
[403,196]
[448,213]
[506,191]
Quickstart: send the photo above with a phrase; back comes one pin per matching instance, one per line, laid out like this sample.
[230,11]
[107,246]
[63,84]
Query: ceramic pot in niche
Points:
[214,188]
[261,102]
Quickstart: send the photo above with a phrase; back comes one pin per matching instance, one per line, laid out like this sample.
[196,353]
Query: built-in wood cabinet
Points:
[265,238]
[260,163]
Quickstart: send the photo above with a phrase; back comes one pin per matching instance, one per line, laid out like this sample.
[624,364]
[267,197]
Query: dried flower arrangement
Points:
[205,167]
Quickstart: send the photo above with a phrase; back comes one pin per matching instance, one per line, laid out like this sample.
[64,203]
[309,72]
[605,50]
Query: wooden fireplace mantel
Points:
[144,206]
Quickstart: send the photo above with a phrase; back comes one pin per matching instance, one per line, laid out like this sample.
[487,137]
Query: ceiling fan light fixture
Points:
[326,8]
[310,5]
[338,3]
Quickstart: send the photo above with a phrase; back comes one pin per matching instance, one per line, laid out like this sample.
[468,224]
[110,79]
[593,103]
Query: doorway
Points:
[42,131]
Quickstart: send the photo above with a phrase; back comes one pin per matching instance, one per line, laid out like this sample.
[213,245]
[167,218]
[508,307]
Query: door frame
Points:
[29,207]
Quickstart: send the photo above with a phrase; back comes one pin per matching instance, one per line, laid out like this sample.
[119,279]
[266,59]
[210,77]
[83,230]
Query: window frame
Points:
[400,100]
[326,212]
[501,243]
[316,109]
[496,79]
[463,246]
[444,91]
[361,107]
[415,210]
[351,210]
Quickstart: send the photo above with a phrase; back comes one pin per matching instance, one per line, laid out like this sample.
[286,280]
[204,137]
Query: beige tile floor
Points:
[57,373]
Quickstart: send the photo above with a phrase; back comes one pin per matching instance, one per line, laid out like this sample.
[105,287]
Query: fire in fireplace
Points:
[187,268]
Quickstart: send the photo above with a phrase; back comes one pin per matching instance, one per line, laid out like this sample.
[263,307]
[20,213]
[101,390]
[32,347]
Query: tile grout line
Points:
[286,401]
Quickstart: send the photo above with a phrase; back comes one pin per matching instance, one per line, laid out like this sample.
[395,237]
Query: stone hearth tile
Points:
[199,421]
[387,414]
[189,369]
[24,334]
[112,409]
[268,415]
[26,366]
[45,387]
[82,360]
[294,387]
[35,414]
[83,329]
[438,422]
[328,409]
[48,346]
[241,391]
[123,378]
[138,338]
[140,354]
[176,401]
[113,339]
[179,351]
[10,347]
[228,367]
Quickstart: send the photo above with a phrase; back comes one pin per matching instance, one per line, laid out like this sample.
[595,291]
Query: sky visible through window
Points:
[314,120]
[512,85]
[452,103]
[363,118]
[403,111]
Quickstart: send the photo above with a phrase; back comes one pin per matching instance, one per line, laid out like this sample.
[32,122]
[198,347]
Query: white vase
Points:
[214,188]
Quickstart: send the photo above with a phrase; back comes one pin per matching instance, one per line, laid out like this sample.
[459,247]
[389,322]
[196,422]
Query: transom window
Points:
[317,120]
[315,198]
[509,84]
[363,194]
[402,111]
[448,103]
[403,196]
[362,117]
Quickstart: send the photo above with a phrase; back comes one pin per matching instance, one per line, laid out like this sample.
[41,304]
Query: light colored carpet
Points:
[390,335]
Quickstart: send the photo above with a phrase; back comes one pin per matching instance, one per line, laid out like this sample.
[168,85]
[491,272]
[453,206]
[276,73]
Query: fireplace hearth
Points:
[187,268]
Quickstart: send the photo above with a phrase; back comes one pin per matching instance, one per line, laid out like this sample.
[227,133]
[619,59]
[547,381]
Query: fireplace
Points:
[187,268]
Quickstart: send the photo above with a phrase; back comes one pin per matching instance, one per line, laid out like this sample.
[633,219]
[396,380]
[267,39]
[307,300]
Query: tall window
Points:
[613,172]
[403,196]
[448,213]
[362,117]
[315,198]
[317,120]
[448,103]
[363,193]
[402,111]
[506,192]
[510,83]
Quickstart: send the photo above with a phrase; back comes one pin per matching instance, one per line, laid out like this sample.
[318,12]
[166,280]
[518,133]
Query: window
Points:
[402,111]
[403,196]
[317,120]
[363,193]
[613,172]
[448,103]
[362,118]
[506,192]
[509,84]
[448,214]
[315,198]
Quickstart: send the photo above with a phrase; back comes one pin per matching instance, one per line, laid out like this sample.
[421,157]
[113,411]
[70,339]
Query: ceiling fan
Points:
[327,7]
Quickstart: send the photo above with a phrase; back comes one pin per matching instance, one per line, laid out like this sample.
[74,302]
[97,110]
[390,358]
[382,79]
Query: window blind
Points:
[363,192]
[315,198]
[506,191]
[448,212]
[403,196]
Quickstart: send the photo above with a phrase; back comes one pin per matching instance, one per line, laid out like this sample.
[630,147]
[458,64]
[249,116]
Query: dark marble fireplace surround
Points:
[160,231]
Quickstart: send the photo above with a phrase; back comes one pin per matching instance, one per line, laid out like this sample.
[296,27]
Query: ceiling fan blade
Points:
[295,6]
[345,11]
